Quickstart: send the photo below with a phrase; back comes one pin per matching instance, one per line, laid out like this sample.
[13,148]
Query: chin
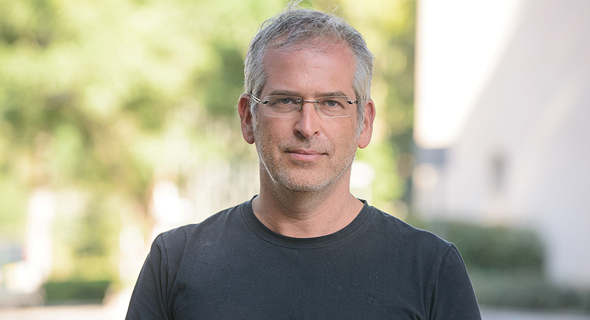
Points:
[304,177]
[309,187]
[305,182]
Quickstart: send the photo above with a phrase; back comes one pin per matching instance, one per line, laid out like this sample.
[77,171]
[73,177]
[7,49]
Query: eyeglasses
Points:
[289,106]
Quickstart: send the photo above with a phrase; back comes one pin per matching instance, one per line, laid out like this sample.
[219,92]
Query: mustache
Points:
[317,146]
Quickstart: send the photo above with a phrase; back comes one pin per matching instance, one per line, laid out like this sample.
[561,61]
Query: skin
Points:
[305,160]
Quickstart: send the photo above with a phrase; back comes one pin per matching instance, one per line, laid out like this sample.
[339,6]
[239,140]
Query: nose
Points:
[308,123]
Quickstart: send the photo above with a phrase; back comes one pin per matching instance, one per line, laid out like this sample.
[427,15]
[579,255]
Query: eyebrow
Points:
[293,93]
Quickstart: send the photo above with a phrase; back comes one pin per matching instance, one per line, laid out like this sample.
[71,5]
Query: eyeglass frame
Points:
[301,102]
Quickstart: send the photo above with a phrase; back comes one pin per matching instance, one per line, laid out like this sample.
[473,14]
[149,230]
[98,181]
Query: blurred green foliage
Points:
[491,248]
[525,289]
[498,247]
[92,93]
[507,266]
[75,291]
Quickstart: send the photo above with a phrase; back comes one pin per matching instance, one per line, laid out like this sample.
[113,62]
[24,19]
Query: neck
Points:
[305,214]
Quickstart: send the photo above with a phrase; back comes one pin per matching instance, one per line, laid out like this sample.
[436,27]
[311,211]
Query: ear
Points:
[246,118]
[367,131]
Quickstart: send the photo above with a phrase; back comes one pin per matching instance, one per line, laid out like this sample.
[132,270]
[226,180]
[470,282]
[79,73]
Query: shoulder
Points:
[196,235]
[400,234]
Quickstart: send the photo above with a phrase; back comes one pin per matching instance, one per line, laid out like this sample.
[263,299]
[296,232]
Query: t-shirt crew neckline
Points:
[305,243]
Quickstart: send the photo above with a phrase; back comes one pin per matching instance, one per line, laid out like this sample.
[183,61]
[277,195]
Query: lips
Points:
[305,154]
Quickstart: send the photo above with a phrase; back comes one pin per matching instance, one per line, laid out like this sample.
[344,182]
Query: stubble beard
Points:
[295,175]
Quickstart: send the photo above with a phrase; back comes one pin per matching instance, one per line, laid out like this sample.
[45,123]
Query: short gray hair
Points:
[296,26]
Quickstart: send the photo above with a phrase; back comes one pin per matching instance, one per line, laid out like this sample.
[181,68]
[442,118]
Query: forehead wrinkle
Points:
[317,95]
[283,93]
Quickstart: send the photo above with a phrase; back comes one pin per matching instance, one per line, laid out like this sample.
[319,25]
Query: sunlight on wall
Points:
[454,59]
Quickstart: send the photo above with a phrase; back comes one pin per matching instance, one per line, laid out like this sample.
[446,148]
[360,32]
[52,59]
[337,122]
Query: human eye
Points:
[333,106]
[332,103]
[282,101]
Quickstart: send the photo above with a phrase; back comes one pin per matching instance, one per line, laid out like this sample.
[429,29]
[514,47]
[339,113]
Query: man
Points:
[304,248]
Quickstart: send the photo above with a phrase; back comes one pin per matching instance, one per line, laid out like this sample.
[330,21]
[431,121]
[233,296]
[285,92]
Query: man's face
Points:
[306,152]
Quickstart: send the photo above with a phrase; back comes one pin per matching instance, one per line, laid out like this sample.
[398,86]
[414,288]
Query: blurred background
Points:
[118,121]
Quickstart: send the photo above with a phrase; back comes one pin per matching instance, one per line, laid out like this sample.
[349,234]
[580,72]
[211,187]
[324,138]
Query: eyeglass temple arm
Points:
[257,100]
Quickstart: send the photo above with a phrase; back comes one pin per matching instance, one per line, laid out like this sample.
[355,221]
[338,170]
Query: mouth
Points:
[305,154]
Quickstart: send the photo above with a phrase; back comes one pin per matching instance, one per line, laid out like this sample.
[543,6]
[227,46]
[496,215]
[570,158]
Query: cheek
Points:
[272,130]
[348,141]
[265,137]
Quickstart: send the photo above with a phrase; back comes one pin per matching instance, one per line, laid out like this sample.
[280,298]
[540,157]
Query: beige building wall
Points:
[516,143]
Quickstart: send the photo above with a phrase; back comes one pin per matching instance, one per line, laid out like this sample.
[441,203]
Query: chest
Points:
[268,282]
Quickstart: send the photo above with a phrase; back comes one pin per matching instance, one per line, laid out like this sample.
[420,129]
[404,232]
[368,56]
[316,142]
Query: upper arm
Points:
[453,296]
[150,295]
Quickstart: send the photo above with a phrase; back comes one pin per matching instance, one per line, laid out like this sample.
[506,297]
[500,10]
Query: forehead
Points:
[310,68]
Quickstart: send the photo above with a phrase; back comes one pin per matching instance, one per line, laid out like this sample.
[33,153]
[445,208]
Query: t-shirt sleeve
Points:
[150,295]
[453,295]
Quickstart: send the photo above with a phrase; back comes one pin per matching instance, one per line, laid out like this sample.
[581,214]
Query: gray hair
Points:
[296,26]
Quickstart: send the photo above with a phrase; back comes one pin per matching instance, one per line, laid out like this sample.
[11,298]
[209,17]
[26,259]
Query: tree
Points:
[92,93]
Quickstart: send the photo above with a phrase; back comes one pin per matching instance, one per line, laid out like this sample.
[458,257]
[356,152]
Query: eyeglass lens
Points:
[289,106]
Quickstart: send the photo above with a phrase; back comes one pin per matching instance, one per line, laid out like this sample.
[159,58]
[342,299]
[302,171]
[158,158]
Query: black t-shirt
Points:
[231,266]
